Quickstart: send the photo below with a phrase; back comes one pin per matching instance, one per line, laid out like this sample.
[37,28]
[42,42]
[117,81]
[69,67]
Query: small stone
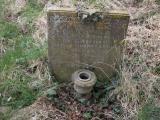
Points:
[36,85]
[51,93]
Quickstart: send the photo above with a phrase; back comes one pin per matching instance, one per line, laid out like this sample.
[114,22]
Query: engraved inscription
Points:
[74,44]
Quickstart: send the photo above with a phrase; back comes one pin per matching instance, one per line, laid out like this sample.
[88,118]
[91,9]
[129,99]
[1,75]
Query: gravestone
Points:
[85,41]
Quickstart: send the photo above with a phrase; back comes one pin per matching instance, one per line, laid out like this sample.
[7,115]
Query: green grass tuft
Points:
[149,112]
[157,69]
[21,49]
[31,10]
[15,90]
[8,30]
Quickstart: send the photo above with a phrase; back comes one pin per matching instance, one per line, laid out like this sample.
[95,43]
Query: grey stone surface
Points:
[79,41]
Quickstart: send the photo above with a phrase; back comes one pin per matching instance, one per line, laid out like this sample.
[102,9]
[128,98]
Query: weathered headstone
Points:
[78,41]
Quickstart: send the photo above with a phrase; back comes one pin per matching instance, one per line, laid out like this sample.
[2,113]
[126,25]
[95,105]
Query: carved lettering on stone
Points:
[74,44]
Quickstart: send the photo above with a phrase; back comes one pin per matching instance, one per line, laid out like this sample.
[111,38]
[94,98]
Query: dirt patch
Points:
[64,105]
[102,105]
[42,109]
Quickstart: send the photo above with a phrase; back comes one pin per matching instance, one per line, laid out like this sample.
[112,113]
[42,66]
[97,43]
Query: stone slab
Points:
[94,42]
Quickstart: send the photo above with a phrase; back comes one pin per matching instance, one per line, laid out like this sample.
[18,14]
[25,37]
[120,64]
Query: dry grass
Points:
[141,56]
[40,26]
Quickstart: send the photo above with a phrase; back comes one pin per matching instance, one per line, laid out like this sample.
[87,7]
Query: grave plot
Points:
[85,41]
